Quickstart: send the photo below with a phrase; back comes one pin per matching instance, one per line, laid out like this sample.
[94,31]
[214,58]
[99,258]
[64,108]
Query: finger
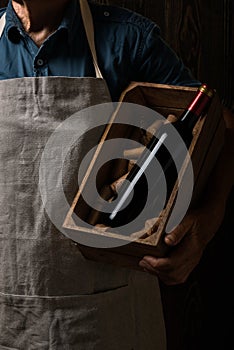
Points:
[147,267]
[158,264]
[170,271]
[170,277]
[177,234]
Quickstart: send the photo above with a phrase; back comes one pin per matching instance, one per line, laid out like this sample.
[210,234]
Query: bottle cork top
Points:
[205,89]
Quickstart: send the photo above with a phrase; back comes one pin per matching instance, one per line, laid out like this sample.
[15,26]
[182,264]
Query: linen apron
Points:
[51,297]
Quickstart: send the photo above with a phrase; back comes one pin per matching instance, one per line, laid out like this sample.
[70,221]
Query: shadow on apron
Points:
[74,322]
[51,298]
[125,318]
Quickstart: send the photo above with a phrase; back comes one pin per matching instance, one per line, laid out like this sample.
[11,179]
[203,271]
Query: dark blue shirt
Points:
[129,48]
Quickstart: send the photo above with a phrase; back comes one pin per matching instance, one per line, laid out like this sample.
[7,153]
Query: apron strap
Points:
[89,29]
[2,23]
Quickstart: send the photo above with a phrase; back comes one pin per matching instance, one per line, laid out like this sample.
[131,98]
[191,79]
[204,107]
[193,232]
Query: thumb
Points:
[177,234]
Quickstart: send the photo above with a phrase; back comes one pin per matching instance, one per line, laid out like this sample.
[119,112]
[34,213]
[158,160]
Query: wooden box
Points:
[204,150]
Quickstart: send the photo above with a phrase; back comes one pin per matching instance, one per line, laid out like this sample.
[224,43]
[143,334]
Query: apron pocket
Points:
[84,322]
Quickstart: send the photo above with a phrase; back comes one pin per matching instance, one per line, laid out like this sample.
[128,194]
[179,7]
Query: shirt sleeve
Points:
[158,63]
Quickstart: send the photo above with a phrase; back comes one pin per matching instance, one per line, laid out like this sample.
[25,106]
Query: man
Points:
[39,283]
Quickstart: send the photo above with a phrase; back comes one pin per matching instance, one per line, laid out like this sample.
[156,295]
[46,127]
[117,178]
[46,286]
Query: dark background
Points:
[200,314]
[200,31]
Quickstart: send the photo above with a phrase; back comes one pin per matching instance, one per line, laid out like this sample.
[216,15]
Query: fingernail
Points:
[169,239]
[143,264]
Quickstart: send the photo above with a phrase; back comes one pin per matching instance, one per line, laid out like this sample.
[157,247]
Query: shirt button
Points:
[106,14]
[40,62]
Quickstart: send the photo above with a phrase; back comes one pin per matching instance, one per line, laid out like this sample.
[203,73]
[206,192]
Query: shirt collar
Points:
[14,28]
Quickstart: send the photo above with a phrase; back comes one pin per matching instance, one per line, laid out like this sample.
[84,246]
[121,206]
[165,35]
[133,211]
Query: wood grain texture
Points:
[201,33]
[183,31]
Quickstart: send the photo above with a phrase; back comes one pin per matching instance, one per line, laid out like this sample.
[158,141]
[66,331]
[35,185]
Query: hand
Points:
[188,241]
[190,238]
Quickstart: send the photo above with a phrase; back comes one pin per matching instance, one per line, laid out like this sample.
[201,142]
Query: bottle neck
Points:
[188,121]
[198,106]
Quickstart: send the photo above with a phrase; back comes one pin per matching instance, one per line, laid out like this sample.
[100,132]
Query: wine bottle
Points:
[136,178]
[193,112]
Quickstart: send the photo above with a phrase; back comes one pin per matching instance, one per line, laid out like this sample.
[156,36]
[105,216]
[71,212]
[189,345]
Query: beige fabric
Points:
[2,24]
[51,298]
[89,29]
